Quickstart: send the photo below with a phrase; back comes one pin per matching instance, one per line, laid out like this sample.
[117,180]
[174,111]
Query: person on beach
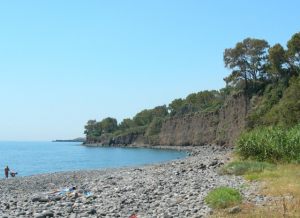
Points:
[64,191]
[6,171]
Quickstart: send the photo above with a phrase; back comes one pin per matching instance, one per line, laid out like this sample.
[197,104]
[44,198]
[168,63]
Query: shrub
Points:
[262,144]
[293,146]
[263,104]
[223,197]
[271,144]
[287,112]
[279,105]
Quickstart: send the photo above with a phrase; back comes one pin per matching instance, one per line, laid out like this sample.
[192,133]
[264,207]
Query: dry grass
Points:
[277,208]
[282,185]
[284,181]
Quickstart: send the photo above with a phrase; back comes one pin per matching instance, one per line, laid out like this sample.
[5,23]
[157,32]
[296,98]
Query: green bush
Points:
[223,197]
[204,101]
[245,167]
[293,146]
[263,104]
[279,105]
[287,112]
[271,144]
[154,127]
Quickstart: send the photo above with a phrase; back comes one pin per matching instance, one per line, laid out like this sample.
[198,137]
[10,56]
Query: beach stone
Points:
[35,198]
[73,215]
[167,215]
[21,214]
[6,206]
[92,211]
[202,166]
[214,163]
[48,214]
[39,216]
[234,210]
[102,213]
[56,198]
[69,209]
[41,199]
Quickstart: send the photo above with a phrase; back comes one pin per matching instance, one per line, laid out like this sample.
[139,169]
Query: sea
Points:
[32,158]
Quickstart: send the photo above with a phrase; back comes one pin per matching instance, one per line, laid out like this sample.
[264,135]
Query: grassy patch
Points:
[284,181]
[246,167]
[277,209]
[262,175]
[223,197]
[282,185]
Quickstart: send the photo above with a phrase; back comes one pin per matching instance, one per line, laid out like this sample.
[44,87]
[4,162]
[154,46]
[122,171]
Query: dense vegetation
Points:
[271,144]
[275,100]
[267,75]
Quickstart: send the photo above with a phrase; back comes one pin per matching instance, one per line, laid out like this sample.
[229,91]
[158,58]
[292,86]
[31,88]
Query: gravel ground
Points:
[172,189]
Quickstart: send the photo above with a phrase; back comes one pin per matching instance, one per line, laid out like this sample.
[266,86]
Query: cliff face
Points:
[130,139]
[221,127]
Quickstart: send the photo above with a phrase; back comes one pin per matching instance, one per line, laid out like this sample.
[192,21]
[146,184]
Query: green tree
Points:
[89,127]
[247,60]
[175,106]
[160,111]
[287,111]
[143,118]
[277,60]
[92,130]
[126,124]
[294,53]
[109,125]
[146,116]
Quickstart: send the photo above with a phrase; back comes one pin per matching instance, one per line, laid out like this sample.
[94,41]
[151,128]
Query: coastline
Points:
[172,189]
[189,149]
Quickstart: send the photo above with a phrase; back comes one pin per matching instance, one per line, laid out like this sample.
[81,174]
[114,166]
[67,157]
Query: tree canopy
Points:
[294,53]
[247,60]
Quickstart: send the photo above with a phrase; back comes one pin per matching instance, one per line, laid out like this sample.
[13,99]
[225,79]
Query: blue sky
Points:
[64,62]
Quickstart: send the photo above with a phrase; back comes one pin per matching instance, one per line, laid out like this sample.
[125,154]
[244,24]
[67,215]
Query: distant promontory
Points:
[70,140]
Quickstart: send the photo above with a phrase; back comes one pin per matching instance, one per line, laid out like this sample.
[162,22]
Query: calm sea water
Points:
[30,158]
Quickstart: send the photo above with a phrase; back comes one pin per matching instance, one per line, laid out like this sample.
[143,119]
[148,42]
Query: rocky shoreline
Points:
[172,189]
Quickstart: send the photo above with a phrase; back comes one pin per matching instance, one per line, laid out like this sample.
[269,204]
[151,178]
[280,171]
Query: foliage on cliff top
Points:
[204,101]
[149,122]
[268,75]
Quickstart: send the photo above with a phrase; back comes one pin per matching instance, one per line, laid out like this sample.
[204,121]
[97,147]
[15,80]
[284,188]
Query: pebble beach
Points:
[173,189]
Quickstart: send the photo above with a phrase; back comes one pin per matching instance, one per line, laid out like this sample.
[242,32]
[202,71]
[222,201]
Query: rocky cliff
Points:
[220,127]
